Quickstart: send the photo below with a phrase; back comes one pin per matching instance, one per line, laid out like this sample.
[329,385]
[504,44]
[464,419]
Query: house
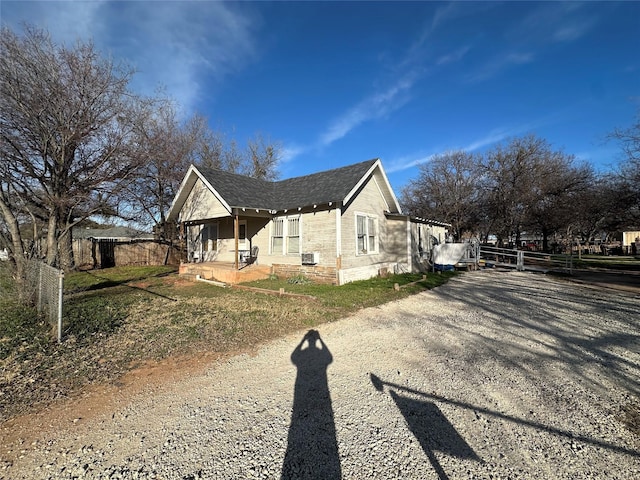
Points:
[631,242]
[335,226]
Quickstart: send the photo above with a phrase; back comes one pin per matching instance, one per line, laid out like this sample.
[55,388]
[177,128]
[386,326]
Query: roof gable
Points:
[322,188]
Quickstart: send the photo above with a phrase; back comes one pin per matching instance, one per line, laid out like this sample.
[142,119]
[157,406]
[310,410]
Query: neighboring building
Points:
[117,246]
[631,242]
[116,234]
[335,226]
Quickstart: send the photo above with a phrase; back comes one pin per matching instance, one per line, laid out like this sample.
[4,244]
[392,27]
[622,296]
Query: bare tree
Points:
[510,173]
[598,209]
[66,121]
[628,177]
[530,187]
[166,148]
[262,158]
[259,159]
[629,139]
[557,194]
[446,189]
[209,148]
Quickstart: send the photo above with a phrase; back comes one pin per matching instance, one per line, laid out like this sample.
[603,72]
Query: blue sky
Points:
[341,82]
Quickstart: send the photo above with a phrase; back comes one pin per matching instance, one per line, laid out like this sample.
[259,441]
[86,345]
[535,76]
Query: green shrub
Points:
[298,280]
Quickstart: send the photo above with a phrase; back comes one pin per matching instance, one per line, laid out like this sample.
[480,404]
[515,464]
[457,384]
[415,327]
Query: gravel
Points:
[496,375]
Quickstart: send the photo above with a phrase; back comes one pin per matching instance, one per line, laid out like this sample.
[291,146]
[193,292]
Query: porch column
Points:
[236,234]
[182,241]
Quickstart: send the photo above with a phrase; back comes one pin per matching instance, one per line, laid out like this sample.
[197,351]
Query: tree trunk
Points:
[65,251]
[17,256]
[545,241]
[52,241]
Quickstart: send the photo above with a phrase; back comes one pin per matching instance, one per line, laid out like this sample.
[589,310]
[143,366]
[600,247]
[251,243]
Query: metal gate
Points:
[524,260]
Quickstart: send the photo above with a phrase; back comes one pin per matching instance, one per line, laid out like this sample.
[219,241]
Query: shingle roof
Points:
[317,188]
[322,187]
[239,190]
[111,233]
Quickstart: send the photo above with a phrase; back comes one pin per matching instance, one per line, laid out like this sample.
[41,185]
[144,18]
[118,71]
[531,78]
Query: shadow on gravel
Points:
[430,427]
[379,384]
[312,448]
[543,328]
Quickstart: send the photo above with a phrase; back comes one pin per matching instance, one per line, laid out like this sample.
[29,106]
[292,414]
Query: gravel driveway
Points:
[494,375]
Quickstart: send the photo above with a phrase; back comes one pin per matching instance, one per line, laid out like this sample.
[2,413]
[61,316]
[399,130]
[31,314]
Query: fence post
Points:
[571,265]
[60,288]
[39,288]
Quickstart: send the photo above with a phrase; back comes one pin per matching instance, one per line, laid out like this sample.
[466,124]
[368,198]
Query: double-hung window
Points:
[277,235]
[286,235]
[366,234]
[293,234]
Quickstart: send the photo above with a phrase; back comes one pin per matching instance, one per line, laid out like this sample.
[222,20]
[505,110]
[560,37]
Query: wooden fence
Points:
[103,253]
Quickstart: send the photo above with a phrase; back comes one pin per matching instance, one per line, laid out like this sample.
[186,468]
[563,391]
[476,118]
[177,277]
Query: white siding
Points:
[201,204]
[369,201]
[317,234]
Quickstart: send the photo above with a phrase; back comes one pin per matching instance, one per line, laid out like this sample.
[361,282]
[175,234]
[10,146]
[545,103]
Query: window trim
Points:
[289,236]
[366,236]
[284,250]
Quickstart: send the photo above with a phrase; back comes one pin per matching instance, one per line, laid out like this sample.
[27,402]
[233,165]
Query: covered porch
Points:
[225,248]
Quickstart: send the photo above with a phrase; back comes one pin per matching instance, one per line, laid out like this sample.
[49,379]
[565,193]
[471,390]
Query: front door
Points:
[209,242]
[243,244]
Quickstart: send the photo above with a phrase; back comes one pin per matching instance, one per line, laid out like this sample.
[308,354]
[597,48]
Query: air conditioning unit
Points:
[311,258]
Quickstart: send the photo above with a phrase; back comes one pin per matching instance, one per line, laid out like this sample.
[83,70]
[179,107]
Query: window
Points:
[286,235]
[277,237]
[293,235]
[242,235]
[209,237]
[366,234]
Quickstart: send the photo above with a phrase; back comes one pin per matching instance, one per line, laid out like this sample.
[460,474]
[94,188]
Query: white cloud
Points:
[546,24]
[405,163]
[494,136]
[454,56]
[553,22]
[499,64]
[410,68]
[572,31]
[178,44]
[292,151]
[375,106]
[66,21]
[170,44]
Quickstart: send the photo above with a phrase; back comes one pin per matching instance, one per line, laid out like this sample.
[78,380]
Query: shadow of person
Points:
[312,448]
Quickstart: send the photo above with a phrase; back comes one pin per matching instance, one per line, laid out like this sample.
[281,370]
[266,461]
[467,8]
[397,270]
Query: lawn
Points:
[116,319]
[624,263]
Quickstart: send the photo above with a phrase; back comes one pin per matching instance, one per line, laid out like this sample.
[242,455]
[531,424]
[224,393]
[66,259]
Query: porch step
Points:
[225,273]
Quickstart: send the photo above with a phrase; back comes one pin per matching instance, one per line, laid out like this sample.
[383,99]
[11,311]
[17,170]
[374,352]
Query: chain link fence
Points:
[48,284]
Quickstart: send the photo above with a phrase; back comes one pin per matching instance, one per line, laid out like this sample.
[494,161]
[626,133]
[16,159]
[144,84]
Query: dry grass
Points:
[120,318]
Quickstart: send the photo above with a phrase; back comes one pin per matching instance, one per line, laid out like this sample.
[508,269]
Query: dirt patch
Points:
[95,401]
